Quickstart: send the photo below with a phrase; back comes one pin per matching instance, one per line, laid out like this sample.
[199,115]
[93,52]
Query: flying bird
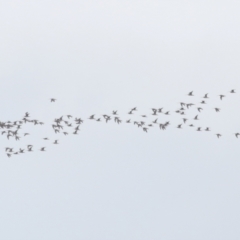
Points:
[222,96]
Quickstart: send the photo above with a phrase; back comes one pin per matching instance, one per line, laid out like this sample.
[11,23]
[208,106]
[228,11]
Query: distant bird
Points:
[199,109]
[206,95]
[30,149]
[190,94]
[52,99]
[182,104]
[21,150]
[222,96]
[237,134]
[179,126]
[42,149]
[217,109]
[145,129]
[154,111]
[196,117]
[218,135]
[91,117]
[189,105]
[232,91]
[55,142]
[45,138]
[25,134]
[114,112]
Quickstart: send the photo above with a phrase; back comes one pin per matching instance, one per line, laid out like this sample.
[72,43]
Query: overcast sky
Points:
[114,182]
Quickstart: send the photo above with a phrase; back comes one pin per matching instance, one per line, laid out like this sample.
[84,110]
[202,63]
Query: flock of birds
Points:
[70,125]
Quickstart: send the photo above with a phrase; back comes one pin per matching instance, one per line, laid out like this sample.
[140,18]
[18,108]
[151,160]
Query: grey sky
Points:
[115,181]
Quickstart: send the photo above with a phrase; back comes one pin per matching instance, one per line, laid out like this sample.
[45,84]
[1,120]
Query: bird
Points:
[199,109]
[182,104]
[206,95]
[52,99]
[232,91]
[237,134]
[26,115]
[42,149]
[154,111]
[30,149]
[21,150]
[189,105]
[218,135]
[145,129]
[217,109]
[55,142]
[190,94]
[221,96]
[196,117]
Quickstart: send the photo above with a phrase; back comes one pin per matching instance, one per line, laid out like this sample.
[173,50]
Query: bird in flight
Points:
[221,96]
[237,134]
[53,99]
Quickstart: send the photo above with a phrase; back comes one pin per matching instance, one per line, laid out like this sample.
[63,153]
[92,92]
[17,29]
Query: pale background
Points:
[117,182]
